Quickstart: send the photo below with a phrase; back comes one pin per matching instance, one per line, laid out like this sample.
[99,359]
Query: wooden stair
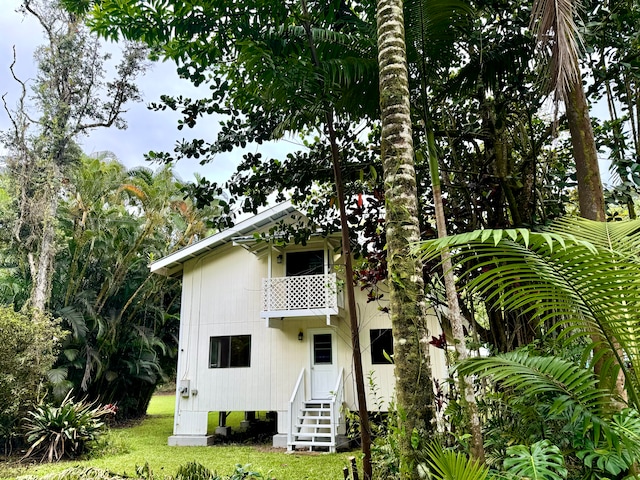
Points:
[313,428]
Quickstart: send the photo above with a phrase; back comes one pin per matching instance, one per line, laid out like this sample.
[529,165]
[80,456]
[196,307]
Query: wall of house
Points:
[222,296]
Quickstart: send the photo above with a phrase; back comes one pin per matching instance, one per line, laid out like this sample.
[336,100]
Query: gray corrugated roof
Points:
[172,264]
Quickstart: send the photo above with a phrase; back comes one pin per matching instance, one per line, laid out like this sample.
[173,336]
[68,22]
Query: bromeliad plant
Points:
[65,431]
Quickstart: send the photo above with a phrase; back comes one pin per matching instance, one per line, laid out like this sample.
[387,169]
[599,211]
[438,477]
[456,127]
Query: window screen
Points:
[305,263]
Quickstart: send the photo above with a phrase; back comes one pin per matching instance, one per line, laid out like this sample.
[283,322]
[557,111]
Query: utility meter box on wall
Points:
[184,388]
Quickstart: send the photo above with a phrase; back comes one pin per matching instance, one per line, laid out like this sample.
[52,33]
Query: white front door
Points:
[324,368]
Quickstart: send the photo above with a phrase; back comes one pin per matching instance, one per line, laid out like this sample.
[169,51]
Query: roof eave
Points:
[172,264]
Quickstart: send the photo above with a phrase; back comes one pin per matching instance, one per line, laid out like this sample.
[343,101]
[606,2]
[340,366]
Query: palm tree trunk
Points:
[455,316]
[414,389]
[555,23]
[590,194]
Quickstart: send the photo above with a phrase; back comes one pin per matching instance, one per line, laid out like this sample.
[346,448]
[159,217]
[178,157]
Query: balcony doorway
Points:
[305,263]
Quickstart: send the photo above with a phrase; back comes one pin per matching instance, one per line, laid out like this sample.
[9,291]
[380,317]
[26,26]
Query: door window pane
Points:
[322,354]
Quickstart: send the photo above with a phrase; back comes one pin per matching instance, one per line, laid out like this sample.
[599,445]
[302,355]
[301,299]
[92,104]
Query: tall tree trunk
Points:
[414,389]
[42,266]
[455,316]
[363,413]
[555,24]
[585,153]
[590,194]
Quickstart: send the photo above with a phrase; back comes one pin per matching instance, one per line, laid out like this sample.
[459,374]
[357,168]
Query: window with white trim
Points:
[230,351]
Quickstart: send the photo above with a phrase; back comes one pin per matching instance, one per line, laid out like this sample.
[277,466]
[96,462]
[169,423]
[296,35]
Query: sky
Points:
[147,130]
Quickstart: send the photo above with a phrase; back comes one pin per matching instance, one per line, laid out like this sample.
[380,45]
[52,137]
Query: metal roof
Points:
[172,264]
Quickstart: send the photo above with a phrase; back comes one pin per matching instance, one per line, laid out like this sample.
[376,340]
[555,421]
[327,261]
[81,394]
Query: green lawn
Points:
[147,443]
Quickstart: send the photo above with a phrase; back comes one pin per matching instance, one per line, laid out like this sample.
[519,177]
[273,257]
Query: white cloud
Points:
[147,130]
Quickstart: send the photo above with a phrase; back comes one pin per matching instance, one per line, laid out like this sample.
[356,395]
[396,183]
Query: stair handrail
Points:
[337,397]
[295,404]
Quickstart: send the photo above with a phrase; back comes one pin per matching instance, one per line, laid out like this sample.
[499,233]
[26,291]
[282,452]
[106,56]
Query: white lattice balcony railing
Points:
[304,295]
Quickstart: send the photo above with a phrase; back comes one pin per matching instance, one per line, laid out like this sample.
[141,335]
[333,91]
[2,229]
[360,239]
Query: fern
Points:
[449,465]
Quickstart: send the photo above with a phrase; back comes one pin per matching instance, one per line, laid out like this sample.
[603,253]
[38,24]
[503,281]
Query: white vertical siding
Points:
[227,302]
[222,296]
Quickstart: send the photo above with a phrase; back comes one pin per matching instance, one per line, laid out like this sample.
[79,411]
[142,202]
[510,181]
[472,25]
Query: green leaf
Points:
[415,439]
[450,465]
[497,236]
[541,461]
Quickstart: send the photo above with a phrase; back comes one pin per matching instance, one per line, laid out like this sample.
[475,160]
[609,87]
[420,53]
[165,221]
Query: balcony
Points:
[301,296]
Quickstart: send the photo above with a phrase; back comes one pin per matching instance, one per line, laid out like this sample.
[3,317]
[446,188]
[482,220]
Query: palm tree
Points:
[432,29]
[122,319]
[407,302]
[555,27]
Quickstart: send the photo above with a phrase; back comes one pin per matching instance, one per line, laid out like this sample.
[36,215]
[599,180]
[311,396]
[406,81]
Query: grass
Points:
[146,442]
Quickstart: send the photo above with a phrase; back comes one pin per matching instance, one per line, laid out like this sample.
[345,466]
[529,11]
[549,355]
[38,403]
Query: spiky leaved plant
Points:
[56,432]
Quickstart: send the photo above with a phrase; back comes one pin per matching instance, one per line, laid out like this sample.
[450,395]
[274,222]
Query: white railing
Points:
[337,397]
[295,404]
[304,292]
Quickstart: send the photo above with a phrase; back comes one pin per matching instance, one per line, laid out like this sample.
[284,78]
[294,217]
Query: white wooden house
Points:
[263,328]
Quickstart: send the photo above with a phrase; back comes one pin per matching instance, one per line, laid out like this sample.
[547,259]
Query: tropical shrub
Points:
[581,281]
[579,278]
[28,345]
[554,399]
[67,430]
[446,464]
[385,451]
[197,471]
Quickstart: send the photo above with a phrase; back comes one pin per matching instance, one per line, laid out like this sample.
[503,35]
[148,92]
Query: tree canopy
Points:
[475,104]
[474,82]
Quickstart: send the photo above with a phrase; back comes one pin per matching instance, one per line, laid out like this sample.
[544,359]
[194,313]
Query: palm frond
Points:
[449,465]
[496,65]
[144,174]
[432,28]
[349,71]
[76,320]
[621,237]
[323,36]
[580,276]
[553,23]
[575,387]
